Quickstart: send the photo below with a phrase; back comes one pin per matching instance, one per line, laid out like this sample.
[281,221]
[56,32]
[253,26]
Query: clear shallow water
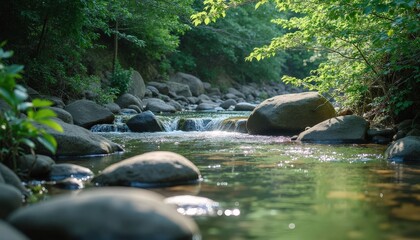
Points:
[271,188]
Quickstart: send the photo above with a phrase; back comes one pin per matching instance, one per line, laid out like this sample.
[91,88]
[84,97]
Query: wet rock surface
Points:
[151,169]
[106,213]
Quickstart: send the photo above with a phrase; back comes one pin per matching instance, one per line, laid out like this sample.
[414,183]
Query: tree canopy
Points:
[371,49]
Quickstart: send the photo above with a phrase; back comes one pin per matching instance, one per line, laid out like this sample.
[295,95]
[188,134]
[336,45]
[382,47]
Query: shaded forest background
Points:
[70,46]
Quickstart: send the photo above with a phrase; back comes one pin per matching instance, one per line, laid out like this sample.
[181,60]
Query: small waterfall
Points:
[187,122]
[118,125]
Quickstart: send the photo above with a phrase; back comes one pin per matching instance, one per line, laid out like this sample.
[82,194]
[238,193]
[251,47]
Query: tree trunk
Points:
[115,58]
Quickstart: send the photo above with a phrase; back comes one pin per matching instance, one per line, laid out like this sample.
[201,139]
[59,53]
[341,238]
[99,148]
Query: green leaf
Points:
[207,20]
[28,143]
[48,142]
[44,113]
[52,124]
[41,103]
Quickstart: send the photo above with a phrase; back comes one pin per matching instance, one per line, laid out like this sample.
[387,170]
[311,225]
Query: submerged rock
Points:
[145,122]
[406,149]
[63,171]
[343,129]
[104,214]
[289,114]
[153,169]
[193,205]
[192,124]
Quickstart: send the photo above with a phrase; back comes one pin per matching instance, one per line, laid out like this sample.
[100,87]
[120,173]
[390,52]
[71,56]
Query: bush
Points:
[17,131]
[120,79]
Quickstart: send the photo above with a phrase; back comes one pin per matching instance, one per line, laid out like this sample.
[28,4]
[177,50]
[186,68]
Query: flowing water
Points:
[272,188]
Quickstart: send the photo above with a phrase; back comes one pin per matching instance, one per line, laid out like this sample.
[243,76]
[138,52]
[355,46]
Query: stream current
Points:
[272,188]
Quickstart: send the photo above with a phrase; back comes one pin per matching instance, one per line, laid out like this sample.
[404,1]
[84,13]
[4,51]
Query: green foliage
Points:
[53,37]
[371,49]
[17,131]
[121,79]
[220,48]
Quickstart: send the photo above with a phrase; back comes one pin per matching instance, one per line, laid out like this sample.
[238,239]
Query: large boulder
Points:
[104,214]
[289,114]
[137,86]
[10,200]
[125,100]
[77,141]
[145,122]
[157,105]
[342,129]
[406,149]
[87,113]
[179,89]
[153,169]
[195,84]
[9,233]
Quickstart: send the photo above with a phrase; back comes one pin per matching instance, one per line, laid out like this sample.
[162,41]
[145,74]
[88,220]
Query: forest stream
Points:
[268,187]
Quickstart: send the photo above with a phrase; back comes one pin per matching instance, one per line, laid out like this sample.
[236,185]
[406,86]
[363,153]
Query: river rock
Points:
[128,111]
[161,87]
[10,200]
[214,92]
[135,108]
[179,89]
[154,91]
[37,166]
[87,113]
[176,105]
[196,85]
[234,124]
[226,104]
[206,107]
[9,233]
[342,129]
[137,87]
[235,92]
[77,141]
[244,106]
[70,184]
[145,122]
[127,99]
[151,169]
[56,101]
[63,171]
[289,114]
[157,105]
[406,149]
[104,214]
[9,177]
[63,115]
[113,107]
[191,124]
